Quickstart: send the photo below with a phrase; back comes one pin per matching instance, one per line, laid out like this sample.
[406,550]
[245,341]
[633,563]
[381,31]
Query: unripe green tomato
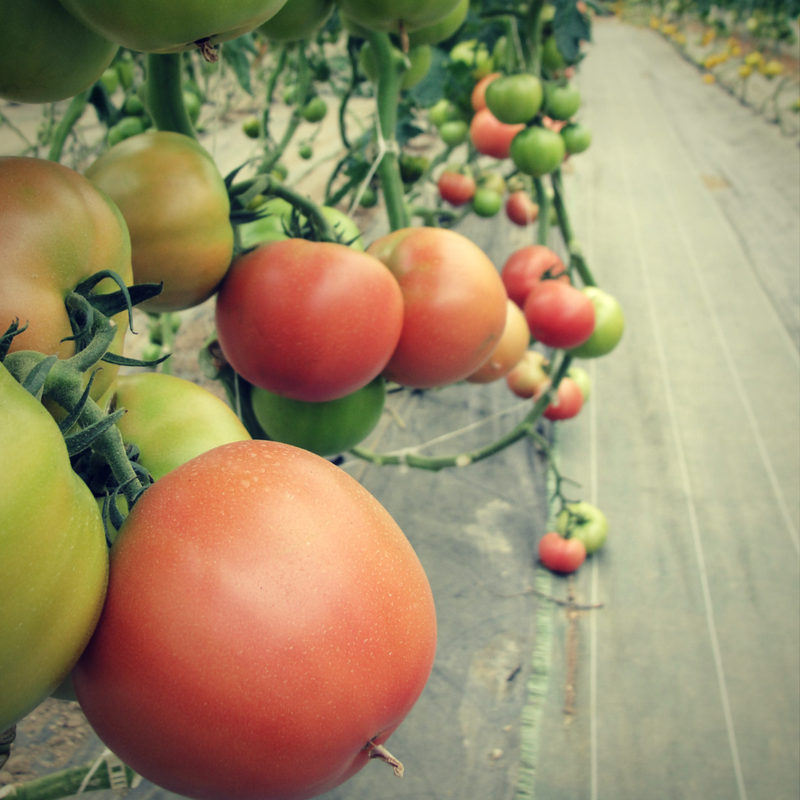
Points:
[443,111]
[486,202]
[110,79]
[454,133]
[124,69]
[577,137]
[551,55]
[314,110]
[326,428]
[133,105]
[412,168]
[495,181]
[369,198]
[475,55]
[305,151]
[581,377]
[515,98]
[537,151]
[298,19]
[280,171]
[561,100]
[124,129]
[419,64]
[441,30]
[290,96]
[585,522]
[251,128]
[192,104]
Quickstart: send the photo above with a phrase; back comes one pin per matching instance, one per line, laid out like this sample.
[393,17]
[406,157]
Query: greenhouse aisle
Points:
[682,677]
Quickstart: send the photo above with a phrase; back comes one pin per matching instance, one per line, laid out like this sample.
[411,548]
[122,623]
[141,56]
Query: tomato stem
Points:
[73,113]
[379,751]
[164,93]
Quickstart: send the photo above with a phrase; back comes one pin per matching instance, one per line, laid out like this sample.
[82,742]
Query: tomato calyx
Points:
[379,751]
[207,50]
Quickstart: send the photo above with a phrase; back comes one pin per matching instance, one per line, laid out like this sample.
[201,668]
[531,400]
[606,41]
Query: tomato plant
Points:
[297,19]
[441,30]
[324,428]
[559,554]
[515,98]
[176,206]
[490,136]
[568,401]
[314,110]
[525,267]
[290,618]
[537,151]
[475,55]
[48,55]
[456,188]
[487,202]
[558,314]
[521,209]
[510,349]
[419,59]
[454,301]
[56,230]
[585,522]
[55,560]
[392,15]
[562,100]
[529,376]
[309,320]
[608,328]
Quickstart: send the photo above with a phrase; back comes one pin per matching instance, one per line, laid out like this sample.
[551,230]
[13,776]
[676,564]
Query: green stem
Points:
[576,257]
[543,201]
[73,113]
[271,84]
[165,93]
[534,29]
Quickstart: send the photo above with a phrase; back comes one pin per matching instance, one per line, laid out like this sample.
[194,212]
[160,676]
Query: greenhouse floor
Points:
[669,665]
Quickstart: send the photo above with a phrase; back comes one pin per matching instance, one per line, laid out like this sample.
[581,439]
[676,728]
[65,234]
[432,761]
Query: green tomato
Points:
[314,110]
[441,30]
[305,151]
[551,55]
[585,522]
[475,55]
[193,104]
[577,137]
[110,79]
[537,151]
[124,129]
[369,198]
[326,428]
[581,377]
[394,16]
[609,325]
[454,132]
[412,168]
[47,55]
[133,106]
[486,202]
[298,19]
[419,64]
[515,98]
[54,567]
[251,128]
[562,100]
[445,110]
[171,420]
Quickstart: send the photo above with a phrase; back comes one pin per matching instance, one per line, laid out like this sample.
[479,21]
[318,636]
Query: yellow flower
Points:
[754,59]
[771,68]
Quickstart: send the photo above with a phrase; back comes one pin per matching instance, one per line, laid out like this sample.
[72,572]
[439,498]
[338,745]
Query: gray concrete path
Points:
[687,680]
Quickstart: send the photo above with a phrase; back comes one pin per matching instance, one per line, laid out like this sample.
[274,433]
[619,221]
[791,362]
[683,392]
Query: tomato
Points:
[577,137]
[608,328]
[490,136]
[475,55]
[558,314]
[297,19]
[288,617]
[305,151]
[581,377]
[559,554]
[323,428]
[175,203]
[529,376]
[393,15]
[568,401]
[56,230]
[171,420]
[525,267]
[487,202]
[314,110]
[552,58]
[537,151]
[456,188]
[312,321]
[521,209]
[585,522]
[478,96]
[510,349]
[47,54]
[454,132]
[55,560]
[494,181]
[441,30]
[454,301]
[124,129]
[150,27]
[562,100]
[419,63]
[443,111]
[515,98]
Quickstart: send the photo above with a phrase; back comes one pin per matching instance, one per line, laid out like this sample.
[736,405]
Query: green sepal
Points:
[78,442]
[8,337]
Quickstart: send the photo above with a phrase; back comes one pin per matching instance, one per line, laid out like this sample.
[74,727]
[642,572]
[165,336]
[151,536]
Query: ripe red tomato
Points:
[312,321]
[456,188]
[528,377]
[568,402]
[560,554]
[478,96]
[510,349]
[490,136]
[558,314]
[521,209]
[290,618]
[454,300]
[524,269]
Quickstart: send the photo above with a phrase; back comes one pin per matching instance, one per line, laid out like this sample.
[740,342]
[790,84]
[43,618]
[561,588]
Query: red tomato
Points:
[528,377]
[456,188]
[510,349]
[524,269]
[568,402]
[558,314]
[560,554]
[454,300]
[289,619]
[312,321]
[490,136]
[520,209]
[478,97]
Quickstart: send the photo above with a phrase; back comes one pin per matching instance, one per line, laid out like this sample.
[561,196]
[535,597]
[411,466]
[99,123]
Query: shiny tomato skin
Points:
[561,555]
[47,54]
[176,206]
[529,377]
[562,100]
[152,26]
[312,321]
[56,230]
[510,349]
[392,15]
[515,98]
[521,209]
[568,402]
[290,619]
[490,136]
[456,188]
[524,268]
[441,30]
[537,151]
[454,300]
[297,19]
[558,314]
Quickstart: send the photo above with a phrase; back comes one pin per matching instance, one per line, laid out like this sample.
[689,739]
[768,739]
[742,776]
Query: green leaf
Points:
[235,53]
